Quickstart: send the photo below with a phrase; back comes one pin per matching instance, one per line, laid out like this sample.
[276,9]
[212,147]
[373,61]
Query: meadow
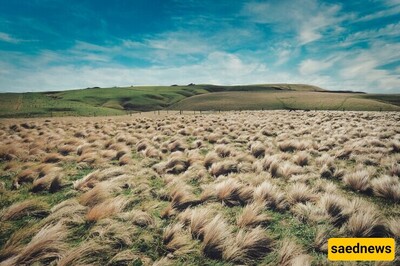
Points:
[229,188]
[125,100]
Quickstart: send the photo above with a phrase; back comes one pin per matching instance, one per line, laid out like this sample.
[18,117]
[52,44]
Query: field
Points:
[120,101]
[271,100]
[247,188]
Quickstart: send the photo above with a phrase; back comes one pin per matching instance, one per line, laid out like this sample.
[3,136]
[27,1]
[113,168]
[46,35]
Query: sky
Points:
[48,45]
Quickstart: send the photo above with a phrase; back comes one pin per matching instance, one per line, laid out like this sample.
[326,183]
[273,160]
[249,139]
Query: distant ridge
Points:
[98,101]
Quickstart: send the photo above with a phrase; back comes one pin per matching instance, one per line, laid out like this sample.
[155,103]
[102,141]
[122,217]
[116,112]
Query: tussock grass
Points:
[175,240]
[358,181]
[336,207]
[84,254]
[271,195]
[243,188]
[252,215]
[107,208]
[30,207]
[46,246]
[199,218]
[216,233]
[366,222]
[301,193]
[223,168]
[248,246]
[387,187]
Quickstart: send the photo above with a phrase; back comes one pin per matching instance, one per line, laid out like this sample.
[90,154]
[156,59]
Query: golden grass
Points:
[47,245]
[216,233]
[387,187]
[236,188]
[107,208]
[30,207]
[252,215]
[248,246]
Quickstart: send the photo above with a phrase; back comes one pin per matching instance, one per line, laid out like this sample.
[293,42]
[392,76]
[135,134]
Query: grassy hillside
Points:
[273,100]
[117,101]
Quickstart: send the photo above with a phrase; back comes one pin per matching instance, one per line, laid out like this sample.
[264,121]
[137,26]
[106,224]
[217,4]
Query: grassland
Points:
[119,101]
[273,100]
[247,188]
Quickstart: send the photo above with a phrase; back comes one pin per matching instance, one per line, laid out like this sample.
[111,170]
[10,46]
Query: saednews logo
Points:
[372,249]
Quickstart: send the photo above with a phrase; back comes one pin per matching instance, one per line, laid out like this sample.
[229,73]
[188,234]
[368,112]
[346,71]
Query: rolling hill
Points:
[120,100]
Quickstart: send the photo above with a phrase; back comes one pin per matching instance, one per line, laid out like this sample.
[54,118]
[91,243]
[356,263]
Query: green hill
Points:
[120,100]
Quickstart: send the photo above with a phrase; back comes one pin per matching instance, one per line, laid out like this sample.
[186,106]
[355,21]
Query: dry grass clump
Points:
[107,208]
[52,158]
[301,193]
[231,192]
[66,149]
[199,218]
[85,254]
[387,187]
[252,215]
[177,163]
[177,145]
[216,233]
[271,195]
[175,240]
[69,211]
[365,222]
[113,233]
[394,227]
[51,182]
[26,176]
[223,151]
[257,149]
[285,169]
[95,196]
[321,238]
[210,159]
[181,196]
[30,207]
[223,168]
[248,246]
[308,212]
[395,170]
[301,158]
[291,254]
[336,207]
[125,159]
[46,246]
[288,145]
[358,181]
[140,218]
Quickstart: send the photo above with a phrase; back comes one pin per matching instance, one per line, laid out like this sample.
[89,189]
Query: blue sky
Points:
[338,45]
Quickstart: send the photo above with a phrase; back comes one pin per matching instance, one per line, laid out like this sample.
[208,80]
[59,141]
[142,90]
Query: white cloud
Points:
[307,18]
[392,8]
[365,67]
[5,37]
[309,66]
[391,30]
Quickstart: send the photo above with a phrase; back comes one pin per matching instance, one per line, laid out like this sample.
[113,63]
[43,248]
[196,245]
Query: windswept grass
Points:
[236,188]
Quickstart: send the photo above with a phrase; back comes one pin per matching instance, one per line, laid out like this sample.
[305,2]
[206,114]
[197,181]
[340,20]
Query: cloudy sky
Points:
[338,45]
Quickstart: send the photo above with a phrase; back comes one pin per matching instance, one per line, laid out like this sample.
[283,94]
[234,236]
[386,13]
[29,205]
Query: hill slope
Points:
[116,101]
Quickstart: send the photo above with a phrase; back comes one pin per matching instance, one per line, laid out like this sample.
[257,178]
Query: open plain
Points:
[251,187]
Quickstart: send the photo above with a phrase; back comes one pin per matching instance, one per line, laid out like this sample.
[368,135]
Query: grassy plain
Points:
[248,188]
[118,101]
[273,100]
